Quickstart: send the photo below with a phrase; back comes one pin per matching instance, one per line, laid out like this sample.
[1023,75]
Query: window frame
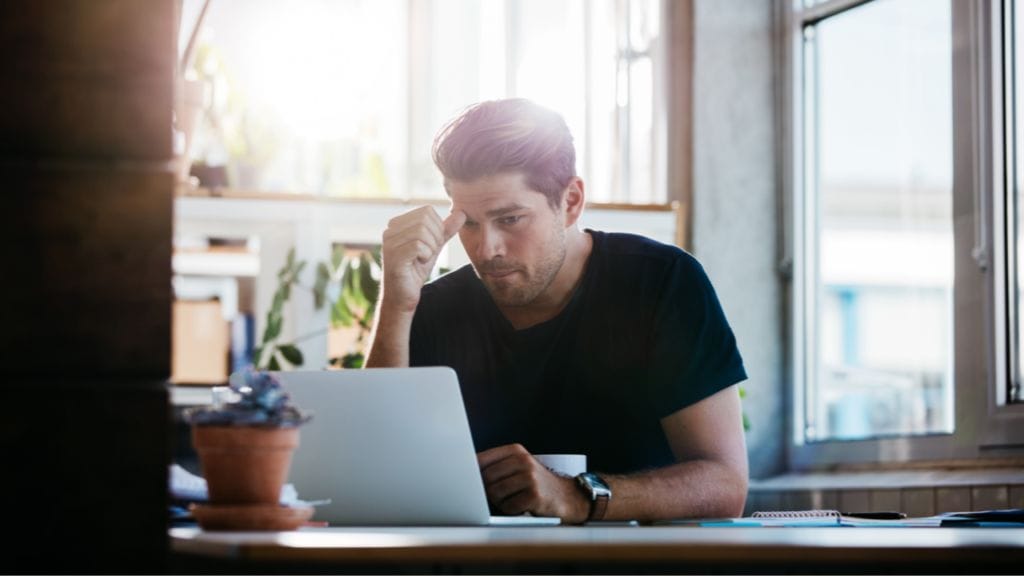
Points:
[983,425]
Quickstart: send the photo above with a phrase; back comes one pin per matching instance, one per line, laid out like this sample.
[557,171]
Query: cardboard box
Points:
[200,343]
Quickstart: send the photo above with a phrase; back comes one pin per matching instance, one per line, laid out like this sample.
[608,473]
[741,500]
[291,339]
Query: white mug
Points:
[565,464]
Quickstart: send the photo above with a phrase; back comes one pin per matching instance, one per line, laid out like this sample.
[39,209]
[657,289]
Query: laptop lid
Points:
[387,446]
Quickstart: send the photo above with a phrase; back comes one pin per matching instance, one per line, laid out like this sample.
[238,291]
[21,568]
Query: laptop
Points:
[389,446]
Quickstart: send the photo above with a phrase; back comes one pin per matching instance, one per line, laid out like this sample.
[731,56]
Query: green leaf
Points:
[292,354]
[274,364]
[279,298]
[371,312]
[323,276]
[369,285]
[286,291]
[352,288]
[340,313]
[256,353]
[746,423]
[352,360]
[375,254]
[337,257]
[273,329]
[291,258]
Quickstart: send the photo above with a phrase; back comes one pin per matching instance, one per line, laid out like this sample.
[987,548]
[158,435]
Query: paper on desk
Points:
[188,487]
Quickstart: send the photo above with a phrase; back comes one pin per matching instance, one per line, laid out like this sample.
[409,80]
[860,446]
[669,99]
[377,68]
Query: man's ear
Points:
[573,200]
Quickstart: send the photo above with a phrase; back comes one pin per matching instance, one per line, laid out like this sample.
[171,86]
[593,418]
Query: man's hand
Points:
[410,248]
[516,483]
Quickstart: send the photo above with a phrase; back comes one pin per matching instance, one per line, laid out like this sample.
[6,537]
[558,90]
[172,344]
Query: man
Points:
[564,340]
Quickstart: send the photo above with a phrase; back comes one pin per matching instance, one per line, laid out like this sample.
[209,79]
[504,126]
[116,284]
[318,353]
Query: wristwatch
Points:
[597,491]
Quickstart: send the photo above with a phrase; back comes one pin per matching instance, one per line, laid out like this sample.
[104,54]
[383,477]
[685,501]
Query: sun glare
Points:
[303,66]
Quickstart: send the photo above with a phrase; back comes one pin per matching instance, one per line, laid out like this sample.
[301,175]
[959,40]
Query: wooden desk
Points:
[606,549]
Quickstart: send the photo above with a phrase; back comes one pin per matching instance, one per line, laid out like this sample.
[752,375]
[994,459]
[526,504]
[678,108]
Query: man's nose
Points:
[491,245]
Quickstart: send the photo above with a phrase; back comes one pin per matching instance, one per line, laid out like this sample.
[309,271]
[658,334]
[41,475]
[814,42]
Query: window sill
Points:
[894,479]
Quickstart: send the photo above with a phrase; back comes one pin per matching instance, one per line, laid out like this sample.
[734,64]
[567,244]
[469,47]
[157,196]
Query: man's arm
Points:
[410,247]
[709,480]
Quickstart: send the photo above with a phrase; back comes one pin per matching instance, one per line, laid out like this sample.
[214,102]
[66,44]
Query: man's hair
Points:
[513,135]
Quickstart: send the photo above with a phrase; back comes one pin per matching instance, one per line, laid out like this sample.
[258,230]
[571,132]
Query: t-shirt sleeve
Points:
[693,353]
[422,350]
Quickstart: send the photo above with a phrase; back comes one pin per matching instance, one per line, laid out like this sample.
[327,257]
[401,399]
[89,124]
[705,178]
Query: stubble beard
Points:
[523,287]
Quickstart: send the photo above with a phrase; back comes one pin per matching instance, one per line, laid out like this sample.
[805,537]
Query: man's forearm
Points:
[389,346]
[695,489]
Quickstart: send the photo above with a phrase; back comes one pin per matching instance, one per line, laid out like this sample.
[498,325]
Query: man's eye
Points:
[509,220]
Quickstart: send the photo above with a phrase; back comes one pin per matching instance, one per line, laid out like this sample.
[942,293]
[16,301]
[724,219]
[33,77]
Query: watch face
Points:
[595,484]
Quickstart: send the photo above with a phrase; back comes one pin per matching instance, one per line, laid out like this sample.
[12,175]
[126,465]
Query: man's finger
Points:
[488,457]
[502,469]
[453,223]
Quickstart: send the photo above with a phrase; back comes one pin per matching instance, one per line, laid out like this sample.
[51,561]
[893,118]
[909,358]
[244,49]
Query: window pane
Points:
[879,237]
[343,97]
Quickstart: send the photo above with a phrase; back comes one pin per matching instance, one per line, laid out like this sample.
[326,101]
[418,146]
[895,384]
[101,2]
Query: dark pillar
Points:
[86,190]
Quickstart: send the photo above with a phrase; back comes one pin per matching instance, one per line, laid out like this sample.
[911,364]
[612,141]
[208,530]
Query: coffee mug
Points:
[564,464]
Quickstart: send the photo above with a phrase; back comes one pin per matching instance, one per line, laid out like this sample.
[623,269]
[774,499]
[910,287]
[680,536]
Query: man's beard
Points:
[523,287]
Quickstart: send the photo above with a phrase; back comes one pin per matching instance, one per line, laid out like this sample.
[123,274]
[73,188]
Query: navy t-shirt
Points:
[642,337]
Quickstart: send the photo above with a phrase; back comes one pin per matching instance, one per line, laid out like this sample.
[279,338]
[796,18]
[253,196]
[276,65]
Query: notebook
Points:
[389,446]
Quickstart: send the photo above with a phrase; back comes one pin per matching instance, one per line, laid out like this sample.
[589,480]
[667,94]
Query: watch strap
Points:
[598,507]
[598,500]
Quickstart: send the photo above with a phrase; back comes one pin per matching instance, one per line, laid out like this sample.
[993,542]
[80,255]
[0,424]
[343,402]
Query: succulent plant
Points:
[257,399]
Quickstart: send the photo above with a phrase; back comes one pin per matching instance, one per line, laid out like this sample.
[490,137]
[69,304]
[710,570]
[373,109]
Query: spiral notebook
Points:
[824,518]
[783,518]
[792,514]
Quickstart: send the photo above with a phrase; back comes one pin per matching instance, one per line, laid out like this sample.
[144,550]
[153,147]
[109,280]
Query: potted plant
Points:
[245,444]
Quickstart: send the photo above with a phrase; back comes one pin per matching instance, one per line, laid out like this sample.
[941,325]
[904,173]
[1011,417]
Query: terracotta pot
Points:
[245,464]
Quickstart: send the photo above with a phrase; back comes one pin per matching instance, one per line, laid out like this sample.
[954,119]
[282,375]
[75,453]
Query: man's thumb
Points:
[453,223]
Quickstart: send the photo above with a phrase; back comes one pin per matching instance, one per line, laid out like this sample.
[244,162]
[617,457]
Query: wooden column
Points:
[677,29]
[85,249]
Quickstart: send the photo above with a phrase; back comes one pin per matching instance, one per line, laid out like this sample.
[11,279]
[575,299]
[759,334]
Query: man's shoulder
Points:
[622,248]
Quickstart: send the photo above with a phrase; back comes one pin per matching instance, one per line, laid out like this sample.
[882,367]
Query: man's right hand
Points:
[412,243]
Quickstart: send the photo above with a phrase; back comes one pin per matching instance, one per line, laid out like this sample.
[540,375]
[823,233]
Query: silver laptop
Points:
[389,446]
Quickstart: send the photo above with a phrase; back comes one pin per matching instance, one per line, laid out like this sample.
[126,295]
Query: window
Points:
[879,271]
[343,98]
[898,231]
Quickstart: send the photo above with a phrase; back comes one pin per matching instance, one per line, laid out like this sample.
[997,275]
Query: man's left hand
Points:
[517,483]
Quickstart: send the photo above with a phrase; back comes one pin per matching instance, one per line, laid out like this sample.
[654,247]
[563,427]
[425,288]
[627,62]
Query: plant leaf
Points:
[340,313]
[352,360]
[292,354]
[323,276]
[279,298]
[273,328]
[351,289]
[337,257]
[369,285]
[273,364]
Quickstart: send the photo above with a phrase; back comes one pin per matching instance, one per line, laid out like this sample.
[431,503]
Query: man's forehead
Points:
[493,194]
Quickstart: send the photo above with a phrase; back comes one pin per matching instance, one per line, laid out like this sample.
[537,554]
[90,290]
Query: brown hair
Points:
[513,135]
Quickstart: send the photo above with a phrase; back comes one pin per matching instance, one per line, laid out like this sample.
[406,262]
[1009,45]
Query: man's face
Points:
[513,237]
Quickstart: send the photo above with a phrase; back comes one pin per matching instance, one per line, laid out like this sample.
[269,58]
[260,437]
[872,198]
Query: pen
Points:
[876,515]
